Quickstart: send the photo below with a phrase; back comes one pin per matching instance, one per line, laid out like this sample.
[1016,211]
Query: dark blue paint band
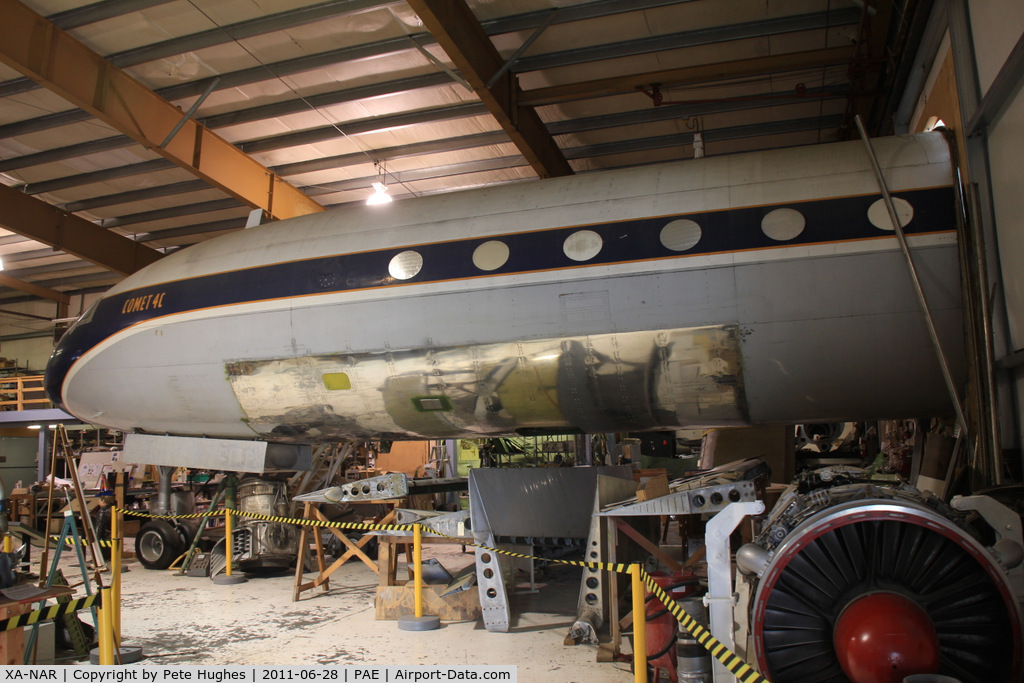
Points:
[832,220]
[730,230]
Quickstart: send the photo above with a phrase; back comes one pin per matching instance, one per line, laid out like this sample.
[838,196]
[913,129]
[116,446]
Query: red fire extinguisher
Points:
[662,626]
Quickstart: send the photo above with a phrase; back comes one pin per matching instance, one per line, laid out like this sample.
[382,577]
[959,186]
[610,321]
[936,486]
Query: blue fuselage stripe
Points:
[830,220]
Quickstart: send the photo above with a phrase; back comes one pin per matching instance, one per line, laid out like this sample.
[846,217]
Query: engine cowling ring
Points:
[846,551]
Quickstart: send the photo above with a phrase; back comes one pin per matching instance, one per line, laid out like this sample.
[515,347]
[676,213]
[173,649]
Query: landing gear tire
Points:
[158,544]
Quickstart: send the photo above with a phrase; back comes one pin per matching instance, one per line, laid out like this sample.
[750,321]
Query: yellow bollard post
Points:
[639,626]
[101,635]
[228,541]
[417,621]
[417,569]
[229,577]
[115,572]
[106,634]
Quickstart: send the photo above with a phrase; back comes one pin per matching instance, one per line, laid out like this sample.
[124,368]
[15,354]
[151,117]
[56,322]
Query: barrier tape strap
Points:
[68,541]
[52,612]
[730,660]
[621,568]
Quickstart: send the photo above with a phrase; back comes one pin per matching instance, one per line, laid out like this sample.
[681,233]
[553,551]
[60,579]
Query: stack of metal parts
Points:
[707,492]
[520,510]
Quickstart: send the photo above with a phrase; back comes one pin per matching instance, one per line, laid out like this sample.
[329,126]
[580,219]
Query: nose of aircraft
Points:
[65,353]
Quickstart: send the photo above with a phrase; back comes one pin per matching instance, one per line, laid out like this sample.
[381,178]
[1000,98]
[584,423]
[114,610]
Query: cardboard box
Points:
[654,487]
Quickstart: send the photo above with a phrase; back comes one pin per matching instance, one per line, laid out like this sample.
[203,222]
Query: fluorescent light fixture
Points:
[35,426]
[1,264]
[380,195]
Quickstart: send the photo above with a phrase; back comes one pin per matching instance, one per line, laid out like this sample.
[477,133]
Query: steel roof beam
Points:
[135,195]
[682,139]
[100,11]
[455,27]
[532,98]
[397,152]
[79,179]
[735,132]
[675,41]
[288,19]
[59,153]
[51,57]
[65,231]
[691,75]
[62,267]
[217,36]
[313,135]
[529,21]
[378,49]
[172,212]
[463,168]
[245,29]
[88,279]
[36,290]
[650,115]
[536,97]
[250,114]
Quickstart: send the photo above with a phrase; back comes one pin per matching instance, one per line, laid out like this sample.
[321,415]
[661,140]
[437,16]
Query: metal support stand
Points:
[69,529]
[720,598]
[229,578]
[193,548]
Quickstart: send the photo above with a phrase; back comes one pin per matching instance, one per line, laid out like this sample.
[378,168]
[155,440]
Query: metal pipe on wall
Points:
[918,290]
[987,341]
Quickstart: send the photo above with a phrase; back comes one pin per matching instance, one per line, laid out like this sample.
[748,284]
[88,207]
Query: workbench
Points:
[12,643]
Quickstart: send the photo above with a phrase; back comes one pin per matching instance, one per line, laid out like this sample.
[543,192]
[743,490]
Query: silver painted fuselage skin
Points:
[573,304]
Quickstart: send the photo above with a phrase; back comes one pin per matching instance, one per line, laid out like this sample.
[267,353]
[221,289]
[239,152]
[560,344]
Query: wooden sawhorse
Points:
[353,549]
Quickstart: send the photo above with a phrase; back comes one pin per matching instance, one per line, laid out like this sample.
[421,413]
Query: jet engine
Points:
[258,543]
[855,578]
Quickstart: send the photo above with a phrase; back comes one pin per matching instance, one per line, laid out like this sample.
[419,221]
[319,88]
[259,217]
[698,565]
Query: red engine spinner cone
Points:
[885,637]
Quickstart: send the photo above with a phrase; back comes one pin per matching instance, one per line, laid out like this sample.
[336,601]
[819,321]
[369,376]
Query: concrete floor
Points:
[187,620]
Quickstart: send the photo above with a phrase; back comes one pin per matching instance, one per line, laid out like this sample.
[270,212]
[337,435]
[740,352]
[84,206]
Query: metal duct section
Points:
[864,581]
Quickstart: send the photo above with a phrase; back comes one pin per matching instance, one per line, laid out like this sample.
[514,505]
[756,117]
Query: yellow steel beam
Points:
[691,75]
[36,290]
[457,30]
[35,47]
[38,220]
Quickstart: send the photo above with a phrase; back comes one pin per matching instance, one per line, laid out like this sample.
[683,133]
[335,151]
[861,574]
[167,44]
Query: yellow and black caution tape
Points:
[47,613]
[621,568]
[194,515]
[744,672]
[729,659]
[71,542]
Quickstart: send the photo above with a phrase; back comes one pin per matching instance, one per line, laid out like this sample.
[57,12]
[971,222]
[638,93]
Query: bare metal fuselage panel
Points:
[760,288]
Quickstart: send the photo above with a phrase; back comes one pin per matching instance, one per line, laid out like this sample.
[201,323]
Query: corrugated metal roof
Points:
[329,95]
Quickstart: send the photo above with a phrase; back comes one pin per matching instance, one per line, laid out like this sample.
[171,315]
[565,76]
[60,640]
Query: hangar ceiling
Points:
[132,128]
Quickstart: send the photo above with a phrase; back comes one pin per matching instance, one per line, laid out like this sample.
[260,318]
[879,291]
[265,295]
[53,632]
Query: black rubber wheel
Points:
[157,544]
